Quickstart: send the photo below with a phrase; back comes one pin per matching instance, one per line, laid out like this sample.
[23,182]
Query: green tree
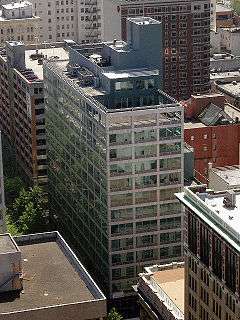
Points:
[12,187]
[236,6]
[28,212]
[114,315]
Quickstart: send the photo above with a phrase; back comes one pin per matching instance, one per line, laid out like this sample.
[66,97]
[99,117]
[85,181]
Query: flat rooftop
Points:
[17,5]
[210,207]
[222,8]
[172,283]
[233,75]
[58,53]
[7,244]
[131,73]
[232,88]
[230,174]
[50,277]
[230,110]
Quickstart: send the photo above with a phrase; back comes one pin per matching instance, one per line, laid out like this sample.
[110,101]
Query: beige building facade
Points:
[161,292]
[17,23]
[212,253]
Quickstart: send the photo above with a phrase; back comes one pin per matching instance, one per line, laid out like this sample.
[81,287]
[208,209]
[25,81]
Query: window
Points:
[124,85]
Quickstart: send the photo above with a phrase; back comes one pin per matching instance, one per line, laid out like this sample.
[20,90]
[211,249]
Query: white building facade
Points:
[18,23]
[68,19]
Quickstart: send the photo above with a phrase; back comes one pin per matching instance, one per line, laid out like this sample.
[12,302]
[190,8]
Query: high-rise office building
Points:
[212,253]
[115,149]
[22,109]
[186,30]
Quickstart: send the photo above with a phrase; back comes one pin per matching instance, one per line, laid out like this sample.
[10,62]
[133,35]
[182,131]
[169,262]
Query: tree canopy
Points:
[27,214]
[114,315]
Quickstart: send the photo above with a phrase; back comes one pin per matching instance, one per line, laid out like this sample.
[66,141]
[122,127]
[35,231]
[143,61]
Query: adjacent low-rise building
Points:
[226,40]
[161,292]
[224,178]
[18,23]
[208,118]
[22,117]
[231,90]
[41,278]
[212,253]
[224,16]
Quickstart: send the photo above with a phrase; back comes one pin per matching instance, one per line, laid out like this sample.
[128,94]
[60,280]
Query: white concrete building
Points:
[68,19]
[17,10]
[226,40]
[224,178]
[18,23]
[161,292]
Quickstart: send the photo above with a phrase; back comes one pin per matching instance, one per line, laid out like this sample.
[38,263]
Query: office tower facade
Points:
[186,30]
[115,148]
[22,116]
[68,19]
[18,23]
[212,253]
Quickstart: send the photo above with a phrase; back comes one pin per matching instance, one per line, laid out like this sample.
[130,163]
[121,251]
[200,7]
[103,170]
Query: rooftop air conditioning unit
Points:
[229,200]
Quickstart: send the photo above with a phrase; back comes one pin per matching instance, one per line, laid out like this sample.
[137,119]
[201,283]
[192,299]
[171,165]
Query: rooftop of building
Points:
[222,56]
[220,210]
[52,276]
[16,5]
[225,75]
[222,8]
[232,29]
[172,282]
[47,53]
[231,88]
[167,282]
[230,174]
[34,58]
[213,115]
[7,244]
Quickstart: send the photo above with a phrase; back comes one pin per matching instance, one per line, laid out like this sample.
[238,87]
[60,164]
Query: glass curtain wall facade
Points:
[145,217]
[77,169]
[112,180]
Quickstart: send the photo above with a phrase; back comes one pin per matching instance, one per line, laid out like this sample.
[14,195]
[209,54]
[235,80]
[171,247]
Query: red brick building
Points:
[212,129]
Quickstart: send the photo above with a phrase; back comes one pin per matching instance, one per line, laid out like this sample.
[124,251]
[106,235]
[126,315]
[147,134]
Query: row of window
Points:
[145,166]
[118,200]
[146,255]
[146,226]
[144,151]
[145,135]
[146,211]
[145,181]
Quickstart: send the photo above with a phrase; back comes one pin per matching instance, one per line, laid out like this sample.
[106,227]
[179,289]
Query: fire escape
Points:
[93,21]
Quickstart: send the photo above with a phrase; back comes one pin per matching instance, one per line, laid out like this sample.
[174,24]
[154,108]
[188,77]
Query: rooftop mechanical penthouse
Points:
[115,147]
